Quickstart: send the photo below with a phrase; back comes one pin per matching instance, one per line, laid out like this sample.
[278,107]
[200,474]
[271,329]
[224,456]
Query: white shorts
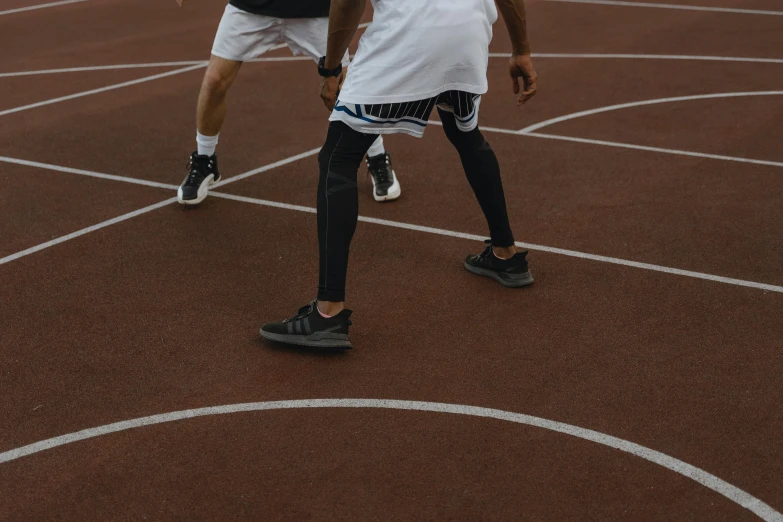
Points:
[408,117]
[242,36]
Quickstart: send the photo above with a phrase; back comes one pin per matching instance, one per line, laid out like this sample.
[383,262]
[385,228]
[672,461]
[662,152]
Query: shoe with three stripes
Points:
[309,328]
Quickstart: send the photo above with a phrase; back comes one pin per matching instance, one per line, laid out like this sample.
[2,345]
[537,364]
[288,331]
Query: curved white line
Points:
[674,6]
[744,499]
[574,115]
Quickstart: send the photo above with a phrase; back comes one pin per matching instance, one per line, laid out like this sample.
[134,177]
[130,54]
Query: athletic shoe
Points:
[512,272]
[309,328]
[385,185]
[203,172]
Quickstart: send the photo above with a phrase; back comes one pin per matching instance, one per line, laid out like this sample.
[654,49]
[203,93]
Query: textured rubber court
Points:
[639,378]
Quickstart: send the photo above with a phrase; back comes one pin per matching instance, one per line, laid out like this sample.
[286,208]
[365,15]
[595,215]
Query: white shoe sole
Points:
[393,193]
[203,190]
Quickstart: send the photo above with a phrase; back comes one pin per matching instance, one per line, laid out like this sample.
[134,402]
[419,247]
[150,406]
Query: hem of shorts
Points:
[405,98]
[234,58]
[370,129]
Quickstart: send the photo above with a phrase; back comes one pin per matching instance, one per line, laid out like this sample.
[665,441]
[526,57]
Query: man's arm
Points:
[520,64]
[344,16]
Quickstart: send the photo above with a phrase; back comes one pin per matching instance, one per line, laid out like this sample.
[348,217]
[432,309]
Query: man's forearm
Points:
[513,12]
[344,16]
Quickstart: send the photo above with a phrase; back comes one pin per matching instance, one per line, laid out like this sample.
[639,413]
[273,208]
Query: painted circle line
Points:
[642,103]
[733,493]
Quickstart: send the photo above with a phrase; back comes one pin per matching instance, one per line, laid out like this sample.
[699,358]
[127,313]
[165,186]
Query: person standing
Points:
[248,29]
[415,56]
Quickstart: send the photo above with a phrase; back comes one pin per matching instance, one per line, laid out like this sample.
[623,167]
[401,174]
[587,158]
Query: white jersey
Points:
[417,49]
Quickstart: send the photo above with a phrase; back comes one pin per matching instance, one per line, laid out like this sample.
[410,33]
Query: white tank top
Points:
[416,49]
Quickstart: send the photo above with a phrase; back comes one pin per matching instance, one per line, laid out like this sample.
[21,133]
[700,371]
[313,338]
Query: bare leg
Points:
[211,108]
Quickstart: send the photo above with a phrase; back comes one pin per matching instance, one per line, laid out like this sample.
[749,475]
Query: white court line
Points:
[129,215]
[103,68]
[706,479]
[395,224]
[646,57]
[608,108]
[102,89]
[541,248]
[265,168]
[627,146]
[491,55]
[79,233]
[81,172]
[39,6]
[673,6]
[654,149]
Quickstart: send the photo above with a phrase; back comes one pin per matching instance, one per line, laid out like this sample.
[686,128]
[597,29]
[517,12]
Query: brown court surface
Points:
[160,312]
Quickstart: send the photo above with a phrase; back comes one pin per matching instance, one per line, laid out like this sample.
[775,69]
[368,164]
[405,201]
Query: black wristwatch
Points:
[326,73]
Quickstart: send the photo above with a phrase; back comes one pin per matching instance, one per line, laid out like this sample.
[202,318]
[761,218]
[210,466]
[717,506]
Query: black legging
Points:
[338,195]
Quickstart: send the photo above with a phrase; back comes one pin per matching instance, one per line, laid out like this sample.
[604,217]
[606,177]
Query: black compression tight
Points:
[483,172]
[338,205]
[338,196]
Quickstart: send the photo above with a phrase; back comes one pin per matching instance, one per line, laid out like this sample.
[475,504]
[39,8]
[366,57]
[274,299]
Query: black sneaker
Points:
[202,172]
[511,272]
[309,328]
[384,180]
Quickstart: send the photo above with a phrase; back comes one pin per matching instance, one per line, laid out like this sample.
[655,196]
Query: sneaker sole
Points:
[507,280]
[394,191]
[201,196]
[316,340]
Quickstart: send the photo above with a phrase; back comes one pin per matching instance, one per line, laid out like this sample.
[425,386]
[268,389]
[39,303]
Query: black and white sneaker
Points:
[385,185]
[512,272]
[309,328]
[202,172]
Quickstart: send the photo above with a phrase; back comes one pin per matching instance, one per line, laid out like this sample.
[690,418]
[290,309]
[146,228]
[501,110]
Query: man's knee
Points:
[220,75]
[467,141]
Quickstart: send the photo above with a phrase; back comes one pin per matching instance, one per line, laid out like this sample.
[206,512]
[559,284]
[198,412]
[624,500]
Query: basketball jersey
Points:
[416,49]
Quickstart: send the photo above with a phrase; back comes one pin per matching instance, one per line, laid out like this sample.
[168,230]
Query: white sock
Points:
[206,144]
[377,148]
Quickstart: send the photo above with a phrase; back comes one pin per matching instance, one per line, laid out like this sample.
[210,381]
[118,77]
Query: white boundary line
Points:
[708,480]
[103,68]
[39,6]
[102,89]
[673,6]
[129,215]
[79,233]
[540,248]
[646,57]
[655,149]
[81,172]
[491,55]
[620,145]
[574,115]
[394,224]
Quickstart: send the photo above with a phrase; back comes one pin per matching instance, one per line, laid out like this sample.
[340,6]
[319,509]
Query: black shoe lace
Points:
[196,174]
[379,168]
[302,313]
[487,251]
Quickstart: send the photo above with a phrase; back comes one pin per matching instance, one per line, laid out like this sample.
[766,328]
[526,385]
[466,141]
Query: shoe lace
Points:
[302,313]
[487,251]
[196,173]
[379,168]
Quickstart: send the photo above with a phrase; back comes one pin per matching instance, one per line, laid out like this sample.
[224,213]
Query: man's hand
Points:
[330,89]
[521,66]
[180,2]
